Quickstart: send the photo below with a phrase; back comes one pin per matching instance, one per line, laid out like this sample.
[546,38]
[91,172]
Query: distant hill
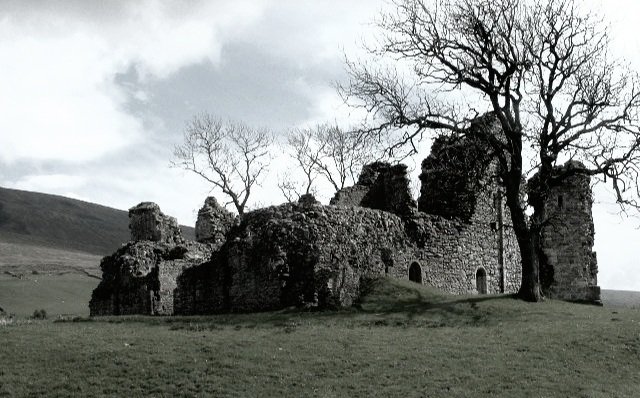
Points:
[37,219]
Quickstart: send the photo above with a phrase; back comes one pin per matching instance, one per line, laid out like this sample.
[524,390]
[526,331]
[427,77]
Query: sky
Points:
[96,95]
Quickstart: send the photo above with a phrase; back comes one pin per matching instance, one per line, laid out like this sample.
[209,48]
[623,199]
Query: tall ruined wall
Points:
[147,222]
[454,254]
[455,172]
[380,186]
[294,254]
[569,266]
[464,225]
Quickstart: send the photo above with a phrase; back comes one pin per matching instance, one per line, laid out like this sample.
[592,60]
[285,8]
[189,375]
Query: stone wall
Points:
[147,222]
[463,223]
[453,252]
[380,186]
[141,276]
[303,255]
[203,289]
[455,173]
[569,268]
[213,223]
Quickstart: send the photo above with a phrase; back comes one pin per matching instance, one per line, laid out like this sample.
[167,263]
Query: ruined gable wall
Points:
[381,186]
[452,250]
[463,224]
[569,267]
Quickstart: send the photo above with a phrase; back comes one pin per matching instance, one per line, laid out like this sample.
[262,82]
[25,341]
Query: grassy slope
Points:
[37,219]
[404,340]
[58,281]
[61,293]
[50,250]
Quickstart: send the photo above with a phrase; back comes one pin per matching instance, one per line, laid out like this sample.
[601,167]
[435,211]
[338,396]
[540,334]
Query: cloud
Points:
[61,100]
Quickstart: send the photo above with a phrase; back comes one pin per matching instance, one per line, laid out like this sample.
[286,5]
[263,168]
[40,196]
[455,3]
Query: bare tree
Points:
[305,150]
[544,70]
[342,155]
[231,156]
[329,152]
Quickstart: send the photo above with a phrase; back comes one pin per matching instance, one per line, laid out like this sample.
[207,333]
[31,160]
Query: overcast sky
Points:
[95,94]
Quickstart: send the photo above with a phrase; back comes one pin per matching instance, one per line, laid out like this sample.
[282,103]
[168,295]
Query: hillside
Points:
[37,219]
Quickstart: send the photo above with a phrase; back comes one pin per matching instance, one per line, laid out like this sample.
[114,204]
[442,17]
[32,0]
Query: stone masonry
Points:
[457,238]
[213,223]
[147,222]
[569,268]
[141,276]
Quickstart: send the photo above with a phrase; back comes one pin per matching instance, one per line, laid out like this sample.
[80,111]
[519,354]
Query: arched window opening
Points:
[481,281]
[415,273]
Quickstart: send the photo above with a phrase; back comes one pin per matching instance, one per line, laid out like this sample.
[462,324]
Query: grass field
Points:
[37,277]
[58,294]
[402,340]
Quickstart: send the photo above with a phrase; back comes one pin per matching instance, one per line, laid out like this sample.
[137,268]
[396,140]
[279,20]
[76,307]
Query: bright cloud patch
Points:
[60,98]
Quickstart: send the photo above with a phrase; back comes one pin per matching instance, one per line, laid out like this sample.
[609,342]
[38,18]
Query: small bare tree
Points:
[305,150]
[230,155]
[329,152]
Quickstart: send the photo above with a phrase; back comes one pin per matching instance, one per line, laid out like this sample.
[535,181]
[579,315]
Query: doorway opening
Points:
[481,281]
[415,273]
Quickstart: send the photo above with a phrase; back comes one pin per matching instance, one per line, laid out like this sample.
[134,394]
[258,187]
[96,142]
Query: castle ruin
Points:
[456,237]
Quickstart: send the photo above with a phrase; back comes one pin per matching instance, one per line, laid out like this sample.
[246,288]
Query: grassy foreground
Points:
[403,340]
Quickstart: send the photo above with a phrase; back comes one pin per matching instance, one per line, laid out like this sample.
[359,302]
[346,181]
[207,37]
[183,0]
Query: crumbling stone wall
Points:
[203,289]
[213,223]
[147,222]
[569,266]
[301,255]
[380,186]
[307,254]
[140,277]
[456,172]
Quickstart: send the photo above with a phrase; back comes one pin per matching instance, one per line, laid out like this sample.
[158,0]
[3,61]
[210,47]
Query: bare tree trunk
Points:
[527,242]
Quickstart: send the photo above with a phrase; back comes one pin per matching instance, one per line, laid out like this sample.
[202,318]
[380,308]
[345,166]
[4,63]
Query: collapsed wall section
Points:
[213,223]
[140,277]
[456,172]
[147,222]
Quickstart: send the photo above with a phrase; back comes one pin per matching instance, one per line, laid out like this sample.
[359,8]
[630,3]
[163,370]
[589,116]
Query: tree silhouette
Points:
[543,69]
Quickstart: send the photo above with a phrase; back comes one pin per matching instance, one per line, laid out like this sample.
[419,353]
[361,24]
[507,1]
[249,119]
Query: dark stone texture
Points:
[213,223]
[455,173]
[147,222]
[569,268]
[380,186]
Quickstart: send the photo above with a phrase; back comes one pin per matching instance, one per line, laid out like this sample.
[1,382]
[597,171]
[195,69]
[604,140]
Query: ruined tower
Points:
[568,269]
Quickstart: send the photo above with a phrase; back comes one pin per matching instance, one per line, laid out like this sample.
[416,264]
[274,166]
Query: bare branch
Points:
[230,156]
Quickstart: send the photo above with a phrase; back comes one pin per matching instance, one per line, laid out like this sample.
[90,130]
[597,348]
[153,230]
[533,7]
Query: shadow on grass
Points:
[383,302]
